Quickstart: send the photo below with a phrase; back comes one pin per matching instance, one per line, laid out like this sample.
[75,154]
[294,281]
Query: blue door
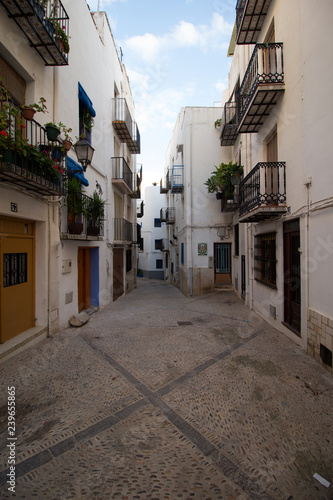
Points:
[222,257]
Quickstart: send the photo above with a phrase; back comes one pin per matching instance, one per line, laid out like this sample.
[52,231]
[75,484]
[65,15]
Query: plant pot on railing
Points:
[52,132]
[93,230]
[28,113]
[75,227]
[67,144]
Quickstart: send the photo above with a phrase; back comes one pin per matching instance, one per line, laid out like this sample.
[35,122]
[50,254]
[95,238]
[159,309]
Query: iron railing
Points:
[265,67]
[123,230]
[250,17]
[121,171]
[177,178]
[137,179]
[27,157]
[230,202]
[229,123]
[121,113]
[45,23]
[264,186]
[168,215]
[127,130]
[139,209]
[82,224]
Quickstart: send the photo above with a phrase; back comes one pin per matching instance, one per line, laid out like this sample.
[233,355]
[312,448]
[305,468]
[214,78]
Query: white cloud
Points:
[149,47]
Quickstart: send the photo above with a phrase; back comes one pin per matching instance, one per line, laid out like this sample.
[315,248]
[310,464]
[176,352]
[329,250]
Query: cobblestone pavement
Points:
[161,396]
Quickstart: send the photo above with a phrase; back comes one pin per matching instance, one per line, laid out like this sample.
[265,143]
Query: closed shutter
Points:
[13,82]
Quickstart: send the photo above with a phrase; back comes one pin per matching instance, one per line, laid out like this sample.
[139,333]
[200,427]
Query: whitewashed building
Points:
[276,122]
[151,256]
[67,55]
[197,232]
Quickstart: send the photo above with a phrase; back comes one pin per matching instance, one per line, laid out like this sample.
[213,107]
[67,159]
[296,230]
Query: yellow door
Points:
[17,286]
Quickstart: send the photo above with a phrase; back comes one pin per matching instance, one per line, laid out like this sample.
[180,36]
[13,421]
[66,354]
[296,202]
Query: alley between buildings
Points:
[162,396]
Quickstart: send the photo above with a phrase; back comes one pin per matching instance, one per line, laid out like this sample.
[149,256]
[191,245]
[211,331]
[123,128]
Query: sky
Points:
[175,53]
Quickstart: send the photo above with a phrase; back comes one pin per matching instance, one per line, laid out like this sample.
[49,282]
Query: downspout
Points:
[191,208]
[49,322]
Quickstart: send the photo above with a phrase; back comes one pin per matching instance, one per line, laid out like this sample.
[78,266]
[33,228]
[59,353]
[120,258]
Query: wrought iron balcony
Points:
[165,245]
[45,23]
[122,122]
[262,86]
[167,215]
[230,201]
[177,179]
[122,176]
[137,179]
[262,192]
[250,16]
[229,124]
[80,226]
[123,231]
[139,209]
[27,158]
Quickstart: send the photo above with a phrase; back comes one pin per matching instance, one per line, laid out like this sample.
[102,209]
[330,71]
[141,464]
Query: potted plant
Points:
[225,176]
[218,123]
[60,36]
[52,131]
[29,110]
[94,213]
[74,205]
[68,141]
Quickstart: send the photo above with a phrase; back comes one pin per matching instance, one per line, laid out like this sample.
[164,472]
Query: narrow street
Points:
[162,396]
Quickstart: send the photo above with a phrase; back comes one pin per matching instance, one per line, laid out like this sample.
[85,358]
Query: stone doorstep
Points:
[22,341]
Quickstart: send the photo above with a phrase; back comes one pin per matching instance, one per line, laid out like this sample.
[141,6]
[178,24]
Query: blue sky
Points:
[175,53]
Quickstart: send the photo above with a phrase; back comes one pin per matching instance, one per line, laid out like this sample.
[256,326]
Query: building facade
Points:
[151,259]
[57,257]
[277,228]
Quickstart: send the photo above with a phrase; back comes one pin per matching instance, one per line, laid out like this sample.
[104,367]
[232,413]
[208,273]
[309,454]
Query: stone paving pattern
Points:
[161,396]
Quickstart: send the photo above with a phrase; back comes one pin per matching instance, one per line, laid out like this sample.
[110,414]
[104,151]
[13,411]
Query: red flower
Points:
[61,170]
[4,133]
[23,126]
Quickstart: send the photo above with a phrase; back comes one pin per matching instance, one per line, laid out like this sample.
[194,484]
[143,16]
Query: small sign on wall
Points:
[202,248]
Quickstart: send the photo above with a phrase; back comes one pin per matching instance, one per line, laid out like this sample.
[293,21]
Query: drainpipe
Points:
[191,208]
[49,298]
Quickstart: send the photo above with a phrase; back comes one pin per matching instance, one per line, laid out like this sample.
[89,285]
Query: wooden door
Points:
[118,273]
[16,286]
[84,278]
[222,260]
[292,276]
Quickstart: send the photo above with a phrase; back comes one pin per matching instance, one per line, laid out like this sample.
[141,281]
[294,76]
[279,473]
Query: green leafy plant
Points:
[218,122]
[60,35]
[94,210]
[74,199]
[39,107]
[223,177]
[88,120]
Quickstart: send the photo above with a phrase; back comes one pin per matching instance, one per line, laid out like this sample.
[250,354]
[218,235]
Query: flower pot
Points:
[28,113]
[52,132]
[235,179]
[92,230]
[67,144]
[75,227]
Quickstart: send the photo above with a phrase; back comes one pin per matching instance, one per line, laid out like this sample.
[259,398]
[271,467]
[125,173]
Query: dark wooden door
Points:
[118,273]
[84,278]
[292,276]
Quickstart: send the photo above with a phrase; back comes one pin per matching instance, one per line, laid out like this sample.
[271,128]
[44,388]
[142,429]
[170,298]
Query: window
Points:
[158,244]
[265,259]
[159,264]
[236,239]
[86,114]
[128,260]
[157,223]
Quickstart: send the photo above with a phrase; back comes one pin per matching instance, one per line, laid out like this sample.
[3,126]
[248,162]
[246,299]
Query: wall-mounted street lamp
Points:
[84,152]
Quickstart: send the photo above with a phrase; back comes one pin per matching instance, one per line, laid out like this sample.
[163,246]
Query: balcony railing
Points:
[27,157]
[250,16]
[229,124]
[137,179]
[122,176]
[230,202]
[81,226]
[168,215]
[177,179]
[165,245]
[262,86]
[123,231]
[45,24]
[263,192]
[139,209]
[122,122]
